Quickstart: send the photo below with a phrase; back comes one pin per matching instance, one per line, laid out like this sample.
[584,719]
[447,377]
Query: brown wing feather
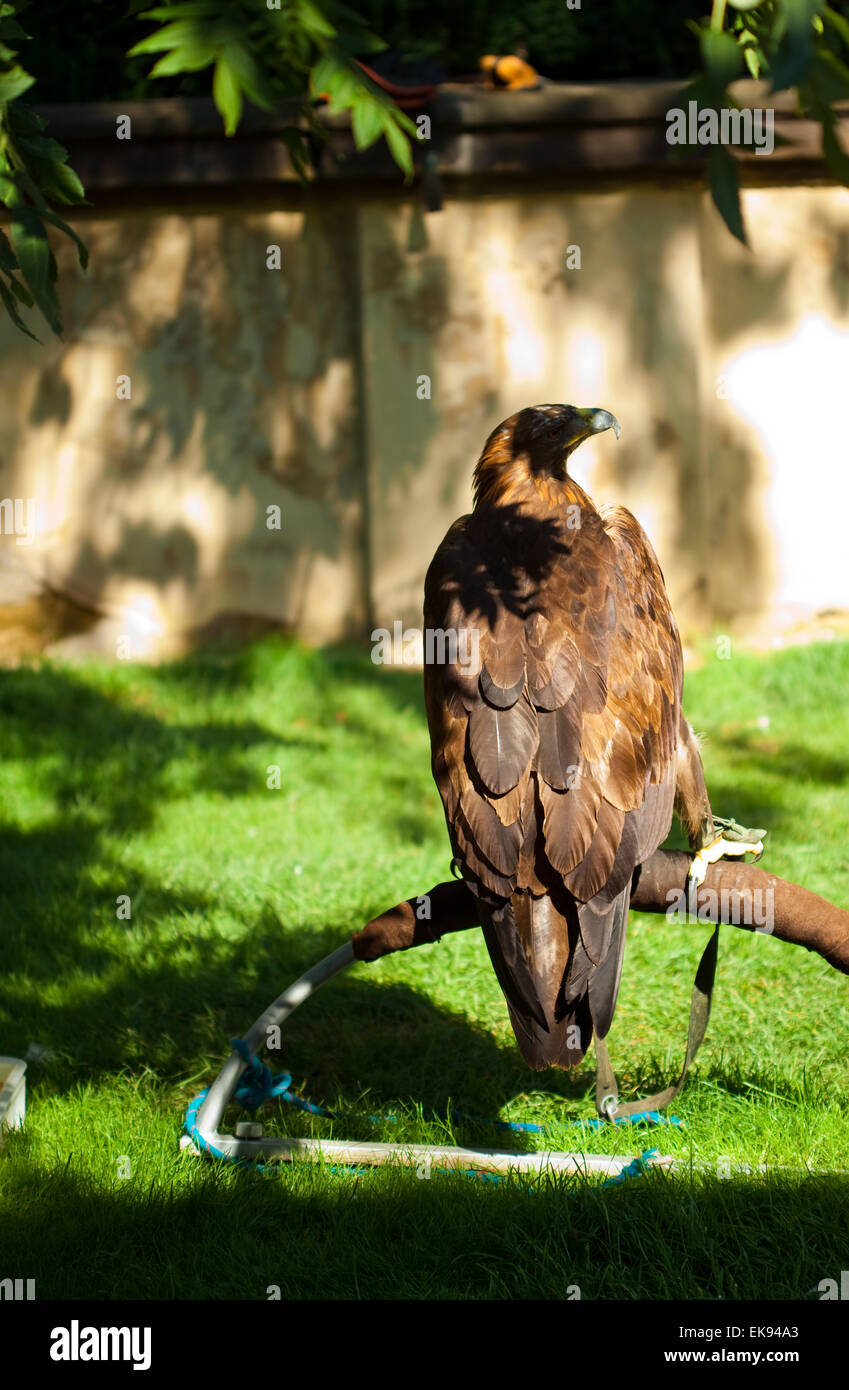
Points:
[502,743]
[569,820]
[559,750]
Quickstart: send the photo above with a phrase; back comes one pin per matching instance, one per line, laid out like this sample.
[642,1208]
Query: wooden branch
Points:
[733,890]
[741,895]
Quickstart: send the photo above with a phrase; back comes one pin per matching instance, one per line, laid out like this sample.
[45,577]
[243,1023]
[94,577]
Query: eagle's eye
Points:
[552,431]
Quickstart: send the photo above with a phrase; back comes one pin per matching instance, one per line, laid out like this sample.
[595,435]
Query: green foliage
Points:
[257,54]
[725,190]
[610,40]
[202,34]
[268,55]
[33,173]
[795,43]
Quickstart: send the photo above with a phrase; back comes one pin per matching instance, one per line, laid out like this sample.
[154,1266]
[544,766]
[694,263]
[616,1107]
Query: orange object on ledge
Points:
[509,72]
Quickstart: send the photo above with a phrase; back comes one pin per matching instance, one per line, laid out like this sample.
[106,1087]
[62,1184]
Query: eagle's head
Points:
[536,442]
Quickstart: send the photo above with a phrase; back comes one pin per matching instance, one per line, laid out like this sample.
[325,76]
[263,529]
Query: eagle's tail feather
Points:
[603,982]
[542,935]
[557,997]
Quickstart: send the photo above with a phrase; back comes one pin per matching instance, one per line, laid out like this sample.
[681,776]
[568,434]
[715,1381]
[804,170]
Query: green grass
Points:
[152,783]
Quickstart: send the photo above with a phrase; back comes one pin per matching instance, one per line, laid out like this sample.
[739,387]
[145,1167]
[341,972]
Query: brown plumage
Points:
[555,748]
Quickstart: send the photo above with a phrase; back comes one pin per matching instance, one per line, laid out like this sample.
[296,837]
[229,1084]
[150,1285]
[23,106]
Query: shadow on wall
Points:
[244,399]
[255,389]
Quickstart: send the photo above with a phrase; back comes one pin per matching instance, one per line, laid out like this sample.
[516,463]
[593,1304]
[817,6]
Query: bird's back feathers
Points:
[554,747]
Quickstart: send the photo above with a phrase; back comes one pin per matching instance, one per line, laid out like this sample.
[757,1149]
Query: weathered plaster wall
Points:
[153,510]
[724,366]
[298,388]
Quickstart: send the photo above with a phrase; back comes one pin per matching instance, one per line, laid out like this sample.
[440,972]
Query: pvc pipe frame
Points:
[341,1151]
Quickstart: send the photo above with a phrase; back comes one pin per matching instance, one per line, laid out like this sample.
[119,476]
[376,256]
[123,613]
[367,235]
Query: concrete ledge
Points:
[579,132]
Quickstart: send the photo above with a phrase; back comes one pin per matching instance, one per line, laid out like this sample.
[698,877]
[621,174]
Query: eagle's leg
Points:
[711,837]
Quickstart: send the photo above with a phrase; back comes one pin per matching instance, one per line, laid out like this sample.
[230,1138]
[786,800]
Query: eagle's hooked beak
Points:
[594,421]
[597,421]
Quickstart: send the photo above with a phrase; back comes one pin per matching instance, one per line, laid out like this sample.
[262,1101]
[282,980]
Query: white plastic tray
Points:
[13,1093]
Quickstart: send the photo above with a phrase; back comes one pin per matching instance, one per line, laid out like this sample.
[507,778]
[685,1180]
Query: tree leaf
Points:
[838,22]
[313,22]
[9,27]
[184,60]
[12,311]
[21,292]
[835,156]
[722,58]
[227,95]
[334,75]
[838,71]
[725,190]
[48,215]
[248,74]
[367,119]
[182,34]
[29,241]
[796,48]
[56,181]
[299,151]
[7,255]
[399,145]
[13,83]
[42,146]
[23,120]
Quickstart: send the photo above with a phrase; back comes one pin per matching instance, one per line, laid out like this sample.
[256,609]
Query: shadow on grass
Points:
[233,668]
[369,1044]
[104,763]
[101,764]
[386,1235]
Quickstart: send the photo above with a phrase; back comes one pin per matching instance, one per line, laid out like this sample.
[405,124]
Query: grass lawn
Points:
[152,783]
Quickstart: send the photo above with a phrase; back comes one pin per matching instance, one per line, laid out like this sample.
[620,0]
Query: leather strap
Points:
[606,1090]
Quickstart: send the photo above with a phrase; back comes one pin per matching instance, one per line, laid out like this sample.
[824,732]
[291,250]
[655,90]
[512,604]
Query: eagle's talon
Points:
[732,842]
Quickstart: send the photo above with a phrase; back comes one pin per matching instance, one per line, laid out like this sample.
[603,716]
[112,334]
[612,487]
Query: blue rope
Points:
[637,1169]
[190,1126]
[258,1085]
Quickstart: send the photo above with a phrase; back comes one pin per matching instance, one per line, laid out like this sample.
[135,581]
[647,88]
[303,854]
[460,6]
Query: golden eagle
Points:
[558,743]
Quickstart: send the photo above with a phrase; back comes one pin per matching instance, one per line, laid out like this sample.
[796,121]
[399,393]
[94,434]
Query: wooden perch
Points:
[741,895]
